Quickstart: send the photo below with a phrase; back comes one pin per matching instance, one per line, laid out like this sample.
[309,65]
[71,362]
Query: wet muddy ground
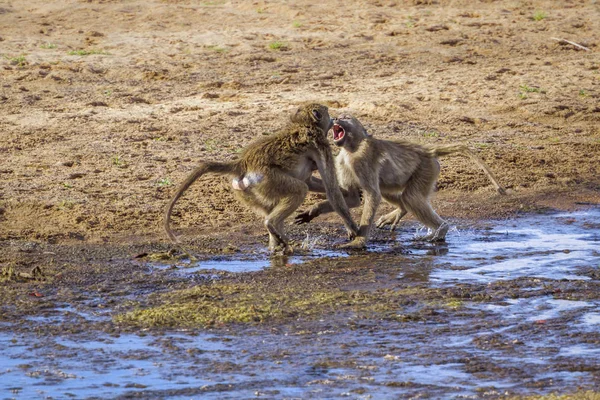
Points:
[504,307]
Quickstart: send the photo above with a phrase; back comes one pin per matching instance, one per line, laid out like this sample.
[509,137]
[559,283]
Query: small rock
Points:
[436,28]
[96,70]
[94,34]
[451,42]
[136,99]
[98,104]
[76,175]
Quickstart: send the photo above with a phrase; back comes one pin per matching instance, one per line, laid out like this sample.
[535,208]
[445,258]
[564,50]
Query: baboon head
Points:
[313,114]
[347,129]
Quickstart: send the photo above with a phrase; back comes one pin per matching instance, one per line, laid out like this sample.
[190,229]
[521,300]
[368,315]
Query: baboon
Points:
[278,169]
[402,173]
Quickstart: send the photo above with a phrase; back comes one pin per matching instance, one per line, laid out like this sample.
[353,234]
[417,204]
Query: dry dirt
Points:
[93,145]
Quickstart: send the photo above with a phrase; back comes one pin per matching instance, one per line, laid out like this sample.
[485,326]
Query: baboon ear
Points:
[316,115]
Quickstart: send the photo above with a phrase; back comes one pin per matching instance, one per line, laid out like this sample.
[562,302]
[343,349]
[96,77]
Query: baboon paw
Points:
[433,238]
[288,251]
[281,250]
[356,244]
[383,222]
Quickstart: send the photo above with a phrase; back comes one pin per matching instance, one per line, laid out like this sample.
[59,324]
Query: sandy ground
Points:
[93,145]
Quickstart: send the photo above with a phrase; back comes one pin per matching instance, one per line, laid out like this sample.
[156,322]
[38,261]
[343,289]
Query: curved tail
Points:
[227,168]
[438,151]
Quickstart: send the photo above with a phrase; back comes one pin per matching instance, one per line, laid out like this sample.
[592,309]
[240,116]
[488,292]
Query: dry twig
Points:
[572,43]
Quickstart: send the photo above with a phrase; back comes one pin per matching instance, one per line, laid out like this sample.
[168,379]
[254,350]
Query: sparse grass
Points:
[431,134]
[277,45]
[18,60]
[118,161]
[524,89]
[48,45]
[261,10]
[83,52]
[65,205]
[539,15]
[529,89]
[581,395]
[297,24]
[164,182]
[454,303]
[108,92]
[217,48]
[211,145]
[224,302]
[583,93]
[8,274]
[213,3]
[67,185]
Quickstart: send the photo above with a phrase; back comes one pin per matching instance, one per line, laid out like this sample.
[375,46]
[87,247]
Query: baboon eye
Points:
[317,114]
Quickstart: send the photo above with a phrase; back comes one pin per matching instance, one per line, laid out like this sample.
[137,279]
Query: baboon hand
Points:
[303,217]
[351,233]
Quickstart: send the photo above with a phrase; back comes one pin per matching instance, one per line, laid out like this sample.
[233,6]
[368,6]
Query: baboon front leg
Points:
[351,197]
[393,218]
[372,199]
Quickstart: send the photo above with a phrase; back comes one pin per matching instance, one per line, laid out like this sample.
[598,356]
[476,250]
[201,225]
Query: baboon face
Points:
[346,128]
[313,113]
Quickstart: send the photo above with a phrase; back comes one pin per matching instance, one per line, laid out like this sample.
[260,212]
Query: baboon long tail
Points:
[230,168]
[439,151]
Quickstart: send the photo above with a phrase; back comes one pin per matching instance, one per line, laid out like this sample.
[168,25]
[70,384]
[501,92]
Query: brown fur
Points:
[399,172]
[283,163]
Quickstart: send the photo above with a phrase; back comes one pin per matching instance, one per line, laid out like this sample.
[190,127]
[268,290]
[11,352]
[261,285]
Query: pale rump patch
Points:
[250,179]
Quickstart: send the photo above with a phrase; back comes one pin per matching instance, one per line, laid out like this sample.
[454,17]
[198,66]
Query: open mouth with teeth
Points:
[338,132]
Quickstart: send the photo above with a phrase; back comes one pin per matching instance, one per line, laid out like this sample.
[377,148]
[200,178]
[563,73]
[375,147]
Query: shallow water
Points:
[489,347]
[544,246]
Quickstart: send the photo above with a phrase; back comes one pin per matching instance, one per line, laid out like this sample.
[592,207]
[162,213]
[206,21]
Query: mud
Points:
[106,106]
[403,318]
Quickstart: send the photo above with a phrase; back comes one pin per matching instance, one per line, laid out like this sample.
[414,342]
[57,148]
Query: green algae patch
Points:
[222,303]
[362,288]
[279,295]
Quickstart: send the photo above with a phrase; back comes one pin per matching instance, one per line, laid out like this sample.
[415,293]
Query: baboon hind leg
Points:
[292,197]
[393,218]
[415,198]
